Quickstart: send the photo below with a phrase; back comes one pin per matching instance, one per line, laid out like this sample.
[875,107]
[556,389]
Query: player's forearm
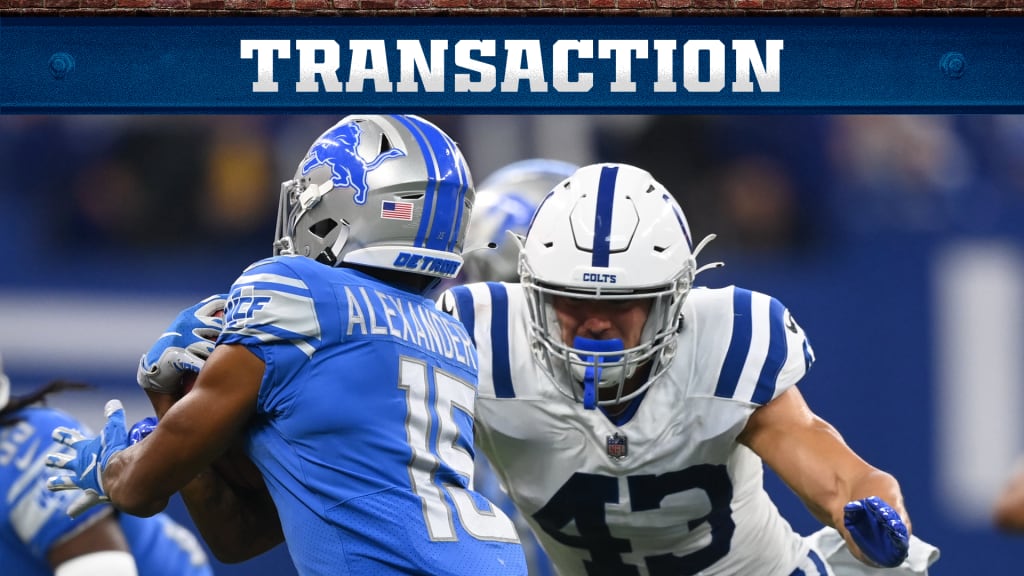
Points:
[141,479]
[237,523]
[129,494]
[873,482]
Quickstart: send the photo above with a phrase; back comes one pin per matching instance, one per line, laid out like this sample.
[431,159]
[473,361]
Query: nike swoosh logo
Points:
[791,323]
[30,455]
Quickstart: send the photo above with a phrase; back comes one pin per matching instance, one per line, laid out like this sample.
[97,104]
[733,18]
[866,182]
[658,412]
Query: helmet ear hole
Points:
[385,144]
[322,228]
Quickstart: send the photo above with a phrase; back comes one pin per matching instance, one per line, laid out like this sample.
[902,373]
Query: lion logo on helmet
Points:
[339,149]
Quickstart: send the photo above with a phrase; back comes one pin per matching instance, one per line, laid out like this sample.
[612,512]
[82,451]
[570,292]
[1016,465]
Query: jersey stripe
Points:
[501,373]
[739,344]
[467,313]
[808,356]
[603,215]
[818,565]
[263,279]
[777,352]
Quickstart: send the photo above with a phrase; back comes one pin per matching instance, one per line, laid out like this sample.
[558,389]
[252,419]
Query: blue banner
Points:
[475,65]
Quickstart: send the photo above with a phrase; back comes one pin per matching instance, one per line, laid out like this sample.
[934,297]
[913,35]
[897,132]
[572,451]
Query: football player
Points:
[628,414]
[505,203]
[38,539]
[353,394]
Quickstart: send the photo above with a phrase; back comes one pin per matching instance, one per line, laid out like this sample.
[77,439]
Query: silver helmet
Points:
[386,191]
[505,202]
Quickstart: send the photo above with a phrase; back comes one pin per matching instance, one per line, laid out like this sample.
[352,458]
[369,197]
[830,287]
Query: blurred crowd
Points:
[779,184]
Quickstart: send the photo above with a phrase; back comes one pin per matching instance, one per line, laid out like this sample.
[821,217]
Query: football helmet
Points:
[609,232]
[505,202]
[387,191]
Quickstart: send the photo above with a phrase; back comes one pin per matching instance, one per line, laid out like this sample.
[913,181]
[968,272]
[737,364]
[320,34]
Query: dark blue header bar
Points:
[460,65]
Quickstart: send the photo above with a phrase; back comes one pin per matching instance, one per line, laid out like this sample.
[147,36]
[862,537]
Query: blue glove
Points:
[138,432]
[90,459]
[183,347]
[878,531]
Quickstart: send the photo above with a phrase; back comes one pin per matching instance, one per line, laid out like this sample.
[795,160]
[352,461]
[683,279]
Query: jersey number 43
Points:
[583,498]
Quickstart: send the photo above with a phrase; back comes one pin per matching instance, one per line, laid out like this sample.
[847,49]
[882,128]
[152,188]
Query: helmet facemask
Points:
[594,367]
[646,254]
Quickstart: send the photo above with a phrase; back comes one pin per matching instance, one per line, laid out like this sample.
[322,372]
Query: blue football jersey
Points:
[364,424]
[33,519]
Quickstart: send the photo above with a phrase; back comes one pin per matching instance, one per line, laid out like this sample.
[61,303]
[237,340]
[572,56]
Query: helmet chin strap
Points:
[592,375]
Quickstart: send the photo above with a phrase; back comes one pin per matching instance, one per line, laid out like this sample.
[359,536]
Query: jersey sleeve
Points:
[37,516]
[767,351]
[457,302]
[272,311]
[270,303]
[483,308]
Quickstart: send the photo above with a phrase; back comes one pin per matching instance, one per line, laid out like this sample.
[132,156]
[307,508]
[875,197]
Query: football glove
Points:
[89,460]
[138,432]
[184,347]
[878,531]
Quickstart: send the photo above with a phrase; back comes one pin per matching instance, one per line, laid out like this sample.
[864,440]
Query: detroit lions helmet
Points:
[609,232]
[387,191]
[505,202]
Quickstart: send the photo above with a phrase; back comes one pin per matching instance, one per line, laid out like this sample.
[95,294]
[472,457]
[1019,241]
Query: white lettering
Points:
[464,50]
[265,51]
[560,65]
[369,62]
[414,62]
[623,51]
[517,52]
[691,65]
[310,69]
[766,71]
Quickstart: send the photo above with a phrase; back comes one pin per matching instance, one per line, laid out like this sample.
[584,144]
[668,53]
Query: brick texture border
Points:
[514,8]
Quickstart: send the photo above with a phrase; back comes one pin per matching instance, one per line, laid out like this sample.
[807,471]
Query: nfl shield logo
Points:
[618,446]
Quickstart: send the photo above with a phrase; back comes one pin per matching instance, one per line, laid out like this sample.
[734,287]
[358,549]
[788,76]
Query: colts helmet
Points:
[609,232]
[387,191]
[505,202]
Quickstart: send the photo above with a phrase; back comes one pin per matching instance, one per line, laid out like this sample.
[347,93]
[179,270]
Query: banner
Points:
[522,65]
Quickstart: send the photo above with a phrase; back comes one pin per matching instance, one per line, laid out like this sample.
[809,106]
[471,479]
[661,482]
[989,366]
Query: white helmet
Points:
[609,232]
[505,202]
[388,191]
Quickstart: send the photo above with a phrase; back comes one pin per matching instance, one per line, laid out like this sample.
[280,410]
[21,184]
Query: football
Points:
[188,381]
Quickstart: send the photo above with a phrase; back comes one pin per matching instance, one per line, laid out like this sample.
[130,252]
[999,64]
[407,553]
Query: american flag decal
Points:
[390,210]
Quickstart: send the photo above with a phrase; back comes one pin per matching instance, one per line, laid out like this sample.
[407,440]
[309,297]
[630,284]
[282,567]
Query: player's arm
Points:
[228,501]
[99,549]
[837,486]
[191,435]
[1008,514]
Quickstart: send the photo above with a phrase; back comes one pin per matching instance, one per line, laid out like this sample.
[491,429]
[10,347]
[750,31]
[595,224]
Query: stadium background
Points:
[896,241]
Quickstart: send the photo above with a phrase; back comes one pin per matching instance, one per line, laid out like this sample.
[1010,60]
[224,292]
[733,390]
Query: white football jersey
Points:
[668,490]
